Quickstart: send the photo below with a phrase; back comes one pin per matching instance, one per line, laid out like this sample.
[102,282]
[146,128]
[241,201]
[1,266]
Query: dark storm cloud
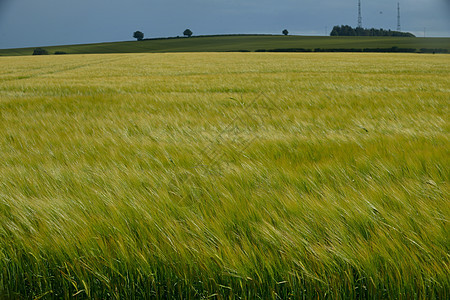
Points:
[50,22]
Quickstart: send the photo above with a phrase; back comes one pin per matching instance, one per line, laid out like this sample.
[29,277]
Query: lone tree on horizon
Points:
[285,32]
[138,35]
[187,32]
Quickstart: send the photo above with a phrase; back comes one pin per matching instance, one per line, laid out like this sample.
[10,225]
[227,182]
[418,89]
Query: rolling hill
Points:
[237,43]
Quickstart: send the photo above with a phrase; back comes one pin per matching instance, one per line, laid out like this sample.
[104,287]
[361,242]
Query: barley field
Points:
[225,176]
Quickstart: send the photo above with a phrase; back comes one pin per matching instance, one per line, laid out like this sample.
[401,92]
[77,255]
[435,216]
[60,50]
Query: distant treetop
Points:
[138,35]
[187,32]
[285,32]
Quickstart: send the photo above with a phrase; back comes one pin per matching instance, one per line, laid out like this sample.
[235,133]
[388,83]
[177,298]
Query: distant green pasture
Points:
[239,43]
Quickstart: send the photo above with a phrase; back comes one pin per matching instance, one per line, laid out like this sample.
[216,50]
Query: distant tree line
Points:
[345,30]
[40,51]
[377,50]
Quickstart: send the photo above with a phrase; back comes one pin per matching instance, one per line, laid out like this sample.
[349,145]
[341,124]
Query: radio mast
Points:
[399,27]
[359,14]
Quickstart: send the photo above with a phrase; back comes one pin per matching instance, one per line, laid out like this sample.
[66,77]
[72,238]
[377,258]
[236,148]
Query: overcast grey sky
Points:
[31,23]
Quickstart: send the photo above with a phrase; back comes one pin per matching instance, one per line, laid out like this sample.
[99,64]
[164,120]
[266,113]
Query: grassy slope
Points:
[104,190]
[234,43]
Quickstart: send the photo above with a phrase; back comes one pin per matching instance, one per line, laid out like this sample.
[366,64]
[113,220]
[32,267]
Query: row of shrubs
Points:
[40,51]
[378,50]
[425,50]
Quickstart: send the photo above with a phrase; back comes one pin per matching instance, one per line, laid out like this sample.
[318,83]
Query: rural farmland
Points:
[252,43]
[225,175]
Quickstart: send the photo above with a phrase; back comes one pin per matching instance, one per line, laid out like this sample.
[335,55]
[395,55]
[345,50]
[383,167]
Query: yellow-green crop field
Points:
[225,176]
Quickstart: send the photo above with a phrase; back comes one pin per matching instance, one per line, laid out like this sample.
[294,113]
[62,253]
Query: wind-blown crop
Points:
[224,175]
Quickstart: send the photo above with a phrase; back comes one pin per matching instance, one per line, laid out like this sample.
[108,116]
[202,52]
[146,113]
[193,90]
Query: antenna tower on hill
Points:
[399,27]
[359,14]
